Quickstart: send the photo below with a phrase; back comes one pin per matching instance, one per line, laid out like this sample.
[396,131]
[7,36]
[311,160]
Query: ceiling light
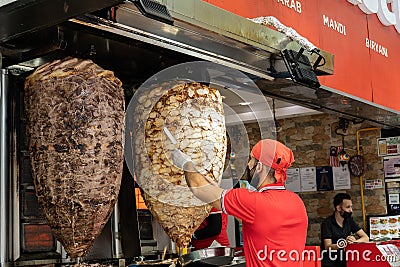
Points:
[245,103]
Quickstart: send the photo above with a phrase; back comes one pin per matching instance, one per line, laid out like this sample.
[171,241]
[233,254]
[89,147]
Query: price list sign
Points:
[389,146]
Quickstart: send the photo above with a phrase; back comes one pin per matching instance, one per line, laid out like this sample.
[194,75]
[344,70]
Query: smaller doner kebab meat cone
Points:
[76,115]
[194,115]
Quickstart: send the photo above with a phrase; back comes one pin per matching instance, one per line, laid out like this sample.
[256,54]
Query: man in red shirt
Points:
[274,220]
[212,228]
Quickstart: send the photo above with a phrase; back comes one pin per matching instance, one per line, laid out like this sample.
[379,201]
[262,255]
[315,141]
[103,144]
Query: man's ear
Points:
[259,167]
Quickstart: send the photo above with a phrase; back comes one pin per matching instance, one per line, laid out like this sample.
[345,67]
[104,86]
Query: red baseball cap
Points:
[275,155]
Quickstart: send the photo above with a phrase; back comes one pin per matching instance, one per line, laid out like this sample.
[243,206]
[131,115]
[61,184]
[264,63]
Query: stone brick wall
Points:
[310,138]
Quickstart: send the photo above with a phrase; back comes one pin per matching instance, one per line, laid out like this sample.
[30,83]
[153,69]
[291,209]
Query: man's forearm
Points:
[362,239]
[363,236]
[205,190]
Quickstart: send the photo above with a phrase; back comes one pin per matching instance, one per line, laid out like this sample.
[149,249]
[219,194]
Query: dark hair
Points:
[338,199]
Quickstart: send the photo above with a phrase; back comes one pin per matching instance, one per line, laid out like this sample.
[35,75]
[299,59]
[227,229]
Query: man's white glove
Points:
[179,158]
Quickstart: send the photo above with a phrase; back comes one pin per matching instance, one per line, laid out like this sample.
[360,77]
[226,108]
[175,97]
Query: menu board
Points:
[389,146]
[384,227]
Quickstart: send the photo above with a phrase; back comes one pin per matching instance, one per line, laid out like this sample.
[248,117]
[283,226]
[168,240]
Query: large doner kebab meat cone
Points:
[194,115]
[75,112]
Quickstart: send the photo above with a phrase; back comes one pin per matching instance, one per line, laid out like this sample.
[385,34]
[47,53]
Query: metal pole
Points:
[361,178]
[3,168]
[116,235]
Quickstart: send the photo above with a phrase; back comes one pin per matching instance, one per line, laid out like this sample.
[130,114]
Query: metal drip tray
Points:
[154,263]
[208,257]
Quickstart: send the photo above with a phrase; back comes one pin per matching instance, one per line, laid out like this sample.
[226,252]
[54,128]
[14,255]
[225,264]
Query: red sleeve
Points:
[214,211]
[239,203]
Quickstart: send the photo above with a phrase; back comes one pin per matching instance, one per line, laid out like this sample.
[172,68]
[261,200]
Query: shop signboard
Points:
[363,35]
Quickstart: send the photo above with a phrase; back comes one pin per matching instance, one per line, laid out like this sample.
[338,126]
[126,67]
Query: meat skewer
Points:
[75,111]
[191,113]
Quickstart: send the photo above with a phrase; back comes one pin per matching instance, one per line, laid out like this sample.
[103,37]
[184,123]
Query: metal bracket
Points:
[299,68]
[155,10]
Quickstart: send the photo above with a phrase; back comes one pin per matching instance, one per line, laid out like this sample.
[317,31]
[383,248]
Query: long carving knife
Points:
[170,136]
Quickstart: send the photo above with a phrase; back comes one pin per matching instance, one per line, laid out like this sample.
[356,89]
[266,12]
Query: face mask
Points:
[255,180]
[247,175]
[345,214]
[250,173]
[253,177]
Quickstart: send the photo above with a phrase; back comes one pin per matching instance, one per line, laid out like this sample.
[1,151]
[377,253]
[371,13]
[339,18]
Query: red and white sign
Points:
[363,35]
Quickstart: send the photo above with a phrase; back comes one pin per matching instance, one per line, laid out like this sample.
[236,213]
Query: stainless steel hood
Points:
[22,16]
[136,46]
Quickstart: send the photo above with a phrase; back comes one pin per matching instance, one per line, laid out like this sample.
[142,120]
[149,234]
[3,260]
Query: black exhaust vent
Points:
[154,10]
[300,68]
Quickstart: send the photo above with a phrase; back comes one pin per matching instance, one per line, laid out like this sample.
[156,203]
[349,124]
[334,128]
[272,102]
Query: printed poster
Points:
[293,180]
[393,145]
[324,178]
[394,199]
[373,184]
[341,177]
[308,179]
[382,147]
[391,166]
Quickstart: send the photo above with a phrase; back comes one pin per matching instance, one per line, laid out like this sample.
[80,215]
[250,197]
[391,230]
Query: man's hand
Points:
[351,239]
[201,186]
[180,159]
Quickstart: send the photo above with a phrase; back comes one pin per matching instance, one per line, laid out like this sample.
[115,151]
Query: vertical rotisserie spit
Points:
[75,111]
[194,115]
